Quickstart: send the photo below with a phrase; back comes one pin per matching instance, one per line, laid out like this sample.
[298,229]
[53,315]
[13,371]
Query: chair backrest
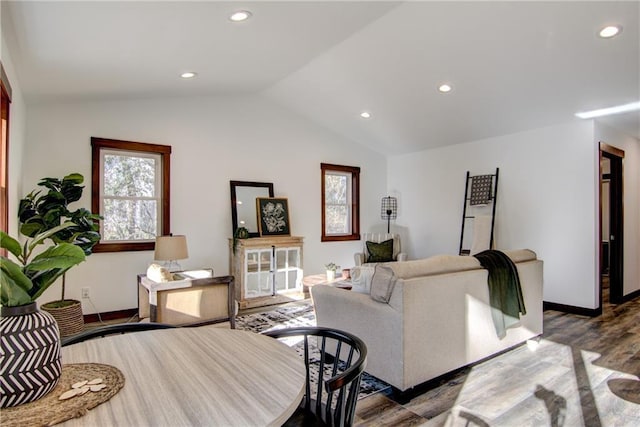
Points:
[118,328]
[378,238]
[333,400]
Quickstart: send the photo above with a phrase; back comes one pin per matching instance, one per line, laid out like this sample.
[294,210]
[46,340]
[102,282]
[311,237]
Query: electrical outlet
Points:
[85,292]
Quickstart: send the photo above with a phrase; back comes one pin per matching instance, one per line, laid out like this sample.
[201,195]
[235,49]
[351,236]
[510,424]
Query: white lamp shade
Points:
[170,248]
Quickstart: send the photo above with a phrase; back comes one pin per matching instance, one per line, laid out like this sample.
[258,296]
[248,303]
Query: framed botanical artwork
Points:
[273,216]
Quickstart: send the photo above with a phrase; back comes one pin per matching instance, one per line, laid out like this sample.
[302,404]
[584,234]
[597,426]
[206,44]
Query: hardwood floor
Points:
[572,376]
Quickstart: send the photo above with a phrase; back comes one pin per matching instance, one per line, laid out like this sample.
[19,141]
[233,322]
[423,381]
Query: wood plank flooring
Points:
[572,376]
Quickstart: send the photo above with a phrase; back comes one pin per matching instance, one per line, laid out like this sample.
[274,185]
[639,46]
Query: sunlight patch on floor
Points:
[539,384]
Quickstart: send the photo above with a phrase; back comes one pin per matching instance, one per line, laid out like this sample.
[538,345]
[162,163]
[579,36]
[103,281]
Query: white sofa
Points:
[438,317]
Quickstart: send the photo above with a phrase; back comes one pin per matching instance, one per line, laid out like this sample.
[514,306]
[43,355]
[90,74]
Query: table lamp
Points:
[170,249]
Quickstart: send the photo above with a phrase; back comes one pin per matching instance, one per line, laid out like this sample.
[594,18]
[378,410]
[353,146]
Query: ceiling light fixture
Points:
[365,115]
[608,111]
[188,75]
[610,31]
[239,16]
[445,88]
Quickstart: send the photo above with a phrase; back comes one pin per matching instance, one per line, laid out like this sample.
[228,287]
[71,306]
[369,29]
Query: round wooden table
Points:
[194,376]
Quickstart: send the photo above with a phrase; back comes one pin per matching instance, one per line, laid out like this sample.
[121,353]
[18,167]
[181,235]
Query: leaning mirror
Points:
[243,204]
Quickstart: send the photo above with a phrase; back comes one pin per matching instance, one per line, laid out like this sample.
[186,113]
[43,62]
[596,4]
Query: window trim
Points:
[355,202]
[97,144]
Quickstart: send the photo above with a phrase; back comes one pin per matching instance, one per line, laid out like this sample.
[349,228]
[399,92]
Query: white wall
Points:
[546,199]
[631,202]
[214,140]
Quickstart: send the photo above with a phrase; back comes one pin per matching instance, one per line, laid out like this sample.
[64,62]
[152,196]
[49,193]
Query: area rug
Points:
[300,314]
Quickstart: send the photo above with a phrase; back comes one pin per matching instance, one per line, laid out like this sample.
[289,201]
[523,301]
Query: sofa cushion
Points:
[438,264]
[380,252]
[361,278]
[382,283]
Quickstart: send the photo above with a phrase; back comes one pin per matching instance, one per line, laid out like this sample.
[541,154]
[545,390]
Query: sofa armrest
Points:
[379,325]
[358,257]
[402,257]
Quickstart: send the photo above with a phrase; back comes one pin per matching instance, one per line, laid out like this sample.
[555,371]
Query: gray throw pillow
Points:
[380,252]
[382,283]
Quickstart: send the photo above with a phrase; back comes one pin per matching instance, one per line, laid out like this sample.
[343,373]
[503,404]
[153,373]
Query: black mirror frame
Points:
[234,210]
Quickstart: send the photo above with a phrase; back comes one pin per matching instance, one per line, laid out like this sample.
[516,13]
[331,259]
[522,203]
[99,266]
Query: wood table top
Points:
[205,376]
[321,279]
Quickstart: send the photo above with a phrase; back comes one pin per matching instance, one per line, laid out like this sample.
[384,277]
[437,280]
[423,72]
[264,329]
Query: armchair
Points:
[362,257]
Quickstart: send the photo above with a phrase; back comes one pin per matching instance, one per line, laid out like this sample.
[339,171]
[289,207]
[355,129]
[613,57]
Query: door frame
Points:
[616,222]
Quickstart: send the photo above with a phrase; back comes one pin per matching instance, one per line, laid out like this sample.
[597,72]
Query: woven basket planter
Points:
[29,354]
[70,319]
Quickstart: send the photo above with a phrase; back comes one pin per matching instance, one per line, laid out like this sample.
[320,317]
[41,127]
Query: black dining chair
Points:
[118,328]
[334,361]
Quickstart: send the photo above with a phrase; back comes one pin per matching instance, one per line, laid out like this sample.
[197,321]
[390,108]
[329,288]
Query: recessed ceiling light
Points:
[610,31]
[445,88]
[608,111]
[365,115]
[188,75]
[241,15]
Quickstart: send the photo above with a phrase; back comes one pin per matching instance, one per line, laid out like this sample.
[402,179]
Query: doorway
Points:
[611,225]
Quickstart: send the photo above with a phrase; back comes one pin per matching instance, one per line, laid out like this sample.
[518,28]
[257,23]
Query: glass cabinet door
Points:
[258,280]
[288,274]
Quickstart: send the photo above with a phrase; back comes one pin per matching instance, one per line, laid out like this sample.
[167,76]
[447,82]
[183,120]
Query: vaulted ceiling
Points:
[513,66]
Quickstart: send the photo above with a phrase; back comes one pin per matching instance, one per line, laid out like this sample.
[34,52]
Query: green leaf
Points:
[74,178]
[9,243]
[14,285]
[32,227]
[64,256]
[42,280]
[43,236]
[50,183]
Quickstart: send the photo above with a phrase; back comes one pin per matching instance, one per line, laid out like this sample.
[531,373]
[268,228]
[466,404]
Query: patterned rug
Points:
[299,314]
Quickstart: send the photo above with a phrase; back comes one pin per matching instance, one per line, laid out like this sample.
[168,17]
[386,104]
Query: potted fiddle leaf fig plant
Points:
[41,211]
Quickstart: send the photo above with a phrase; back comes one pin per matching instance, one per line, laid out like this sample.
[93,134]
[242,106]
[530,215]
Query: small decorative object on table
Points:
[331,269]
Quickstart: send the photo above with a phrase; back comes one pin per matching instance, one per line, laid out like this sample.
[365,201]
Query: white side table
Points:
[192,300]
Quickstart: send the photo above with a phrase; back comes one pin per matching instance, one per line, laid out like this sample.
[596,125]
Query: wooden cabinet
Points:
[266,269]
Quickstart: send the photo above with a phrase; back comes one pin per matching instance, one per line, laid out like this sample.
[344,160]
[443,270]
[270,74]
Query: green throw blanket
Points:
[505,293]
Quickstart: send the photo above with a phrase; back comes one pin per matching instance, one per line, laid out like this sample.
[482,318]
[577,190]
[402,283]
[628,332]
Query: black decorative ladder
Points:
[480,191]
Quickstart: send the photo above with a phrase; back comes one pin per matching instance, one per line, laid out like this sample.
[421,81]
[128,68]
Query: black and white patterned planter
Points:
[29,354]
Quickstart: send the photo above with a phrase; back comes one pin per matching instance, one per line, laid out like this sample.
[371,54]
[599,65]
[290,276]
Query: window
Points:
[340,202]
[130,190]
[5,100]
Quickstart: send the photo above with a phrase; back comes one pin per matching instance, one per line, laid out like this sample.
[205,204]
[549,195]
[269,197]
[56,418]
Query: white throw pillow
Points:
[361,278]
[382,283]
